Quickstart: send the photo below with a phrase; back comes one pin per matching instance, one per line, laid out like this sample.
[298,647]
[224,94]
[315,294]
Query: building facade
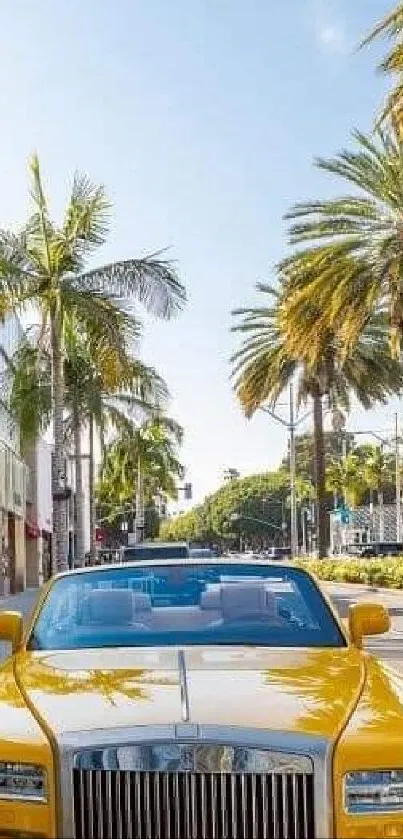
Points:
[366,524]
[38,524]
[13,472]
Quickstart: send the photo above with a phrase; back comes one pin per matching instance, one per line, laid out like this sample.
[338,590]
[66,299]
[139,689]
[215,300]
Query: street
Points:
[388,647]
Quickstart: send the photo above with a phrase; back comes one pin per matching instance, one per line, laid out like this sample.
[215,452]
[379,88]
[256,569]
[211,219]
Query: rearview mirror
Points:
[367,619]
[11,628]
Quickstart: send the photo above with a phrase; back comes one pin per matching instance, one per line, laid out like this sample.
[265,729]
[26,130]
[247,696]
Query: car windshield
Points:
[142,553]
[183,605]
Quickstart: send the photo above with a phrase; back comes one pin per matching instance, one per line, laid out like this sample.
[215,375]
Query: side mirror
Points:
[11,628]
[367,619]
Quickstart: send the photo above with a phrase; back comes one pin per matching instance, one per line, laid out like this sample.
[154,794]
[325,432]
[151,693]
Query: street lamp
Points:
[291,425]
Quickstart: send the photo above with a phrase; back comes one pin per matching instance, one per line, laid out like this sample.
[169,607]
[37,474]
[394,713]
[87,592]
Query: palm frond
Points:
[30,400]
[391,25]
[101,317]
[87,218]
[153,281]
[390,28]
[39,228]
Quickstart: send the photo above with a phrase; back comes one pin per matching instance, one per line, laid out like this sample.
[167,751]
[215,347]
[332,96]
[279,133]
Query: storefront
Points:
[13,477]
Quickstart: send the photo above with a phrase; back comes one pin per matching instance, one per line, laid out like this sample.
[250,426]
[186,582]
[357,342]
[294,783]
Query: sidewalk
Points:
[362,588]
[23,602]
[17,603]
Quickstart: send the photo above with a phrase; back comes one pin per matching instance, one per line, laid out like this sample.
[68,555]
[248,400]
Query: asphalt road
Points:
[388,647]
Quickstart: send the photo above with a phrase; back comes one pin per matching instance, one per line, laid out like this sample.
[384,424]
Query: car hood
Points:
[310,691]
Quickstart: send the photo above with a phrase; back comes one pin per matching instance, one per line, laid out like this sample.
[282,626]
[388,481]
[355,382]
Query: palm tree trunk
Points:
[79,506]
[93,521]
[320,473]
[60,535]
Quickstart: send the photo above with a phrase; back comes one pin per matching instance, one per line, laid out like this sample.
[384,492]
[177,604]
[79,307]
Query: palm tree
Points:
[352,256]
[345,477]
[99,381]
[44,266]
[139,464]
[376,472]
[265,364]
[103,388]
[391,28]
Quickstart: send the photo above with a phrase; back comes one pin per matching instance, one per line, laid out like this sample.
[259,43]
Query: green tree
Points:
[352,256]
[102,384]
[265,364]
[376,474]
[304,451]
[254,507]
[185,527]
[140,463]
[44,265]
[345,477]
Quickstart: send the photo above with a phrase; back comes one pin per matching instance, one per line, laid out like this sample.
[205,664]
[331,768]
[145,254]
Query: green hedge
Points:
[385,572]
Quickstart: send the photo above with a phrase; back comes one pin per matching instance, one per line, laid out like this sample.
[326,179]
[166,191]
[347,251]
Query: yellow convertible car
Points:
[201,699]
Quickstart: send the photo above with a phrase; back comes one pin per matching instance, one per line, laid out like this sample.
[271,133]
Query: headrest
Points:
[141,602]
[211,598]
[113,607]
[239,599]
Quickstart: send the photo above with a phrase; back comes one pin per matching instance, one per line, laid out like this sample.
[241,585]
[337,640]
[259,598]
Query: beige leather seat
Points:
[141,603]
[113,607]
[211,598]
[247,601]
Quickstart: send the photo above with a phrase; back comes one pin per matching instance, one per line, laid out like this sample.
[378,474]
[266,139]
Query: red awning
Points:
[32,530]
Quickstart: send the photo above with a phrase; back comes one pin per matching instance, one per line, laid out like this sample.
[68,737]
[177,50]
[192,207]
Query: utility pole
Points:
[291,427]
[294,524]
[398,481]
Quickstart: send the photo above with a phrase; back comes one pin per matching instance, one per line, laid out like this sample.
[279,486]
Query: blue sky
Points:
[202,118]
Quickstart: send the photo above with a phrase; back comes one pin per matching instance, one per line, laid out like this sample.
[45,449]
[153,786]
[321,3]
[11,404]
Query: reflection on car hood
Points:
[311,691]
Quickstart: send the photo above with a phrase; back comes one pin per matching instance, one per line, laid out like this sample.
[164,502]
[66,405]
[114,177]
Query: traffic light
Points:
[187,491]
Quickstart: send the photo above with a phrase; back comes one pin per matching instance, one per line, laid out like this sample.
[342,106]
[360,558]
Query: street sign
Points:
[343,514]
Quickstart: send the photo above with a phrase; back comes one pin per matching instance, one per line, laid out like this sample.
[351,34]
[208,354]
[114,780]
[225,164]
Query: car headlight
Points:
[374,791]
[22,781]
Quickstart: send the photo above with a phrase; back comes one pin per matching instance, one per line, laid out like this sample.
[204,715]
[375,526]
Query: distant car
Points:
[202,553]
[278,553]
[144,551]
[381,549]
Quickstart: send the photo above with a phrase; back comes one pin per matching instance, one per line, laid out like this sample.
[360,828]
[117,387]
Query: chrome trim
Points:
[184,686]
[317,749]
[192,757]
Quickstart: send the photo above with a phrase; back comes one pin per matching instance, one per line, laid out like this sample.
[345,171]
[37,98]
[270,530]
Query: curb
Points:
[362,587]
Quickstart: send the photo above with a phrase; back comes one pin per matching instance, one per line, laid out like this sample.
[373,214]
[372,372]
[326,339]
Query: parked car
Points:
[202,553]
[125,713]
[381,549]
[155,550]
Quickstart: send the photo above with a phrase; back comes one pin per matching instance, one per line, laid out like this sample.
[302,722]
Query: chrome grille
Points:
[129,804]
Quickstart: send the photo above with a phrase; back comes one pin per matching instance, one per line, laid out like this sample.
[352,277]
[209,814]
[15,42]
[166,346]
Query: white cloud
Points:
[328,29]
[331,38]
